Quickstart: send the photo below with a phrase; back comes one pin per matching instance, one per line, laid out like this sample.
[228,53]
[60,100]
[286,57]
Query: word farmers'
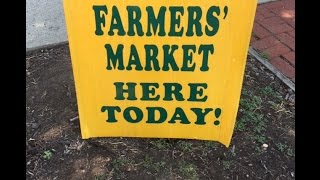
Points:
[110,20]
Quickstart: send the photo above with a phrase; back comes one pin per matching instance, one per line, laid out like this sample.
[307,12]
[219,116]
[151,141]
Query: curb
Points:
[275,71]
[29,50]
[265,1]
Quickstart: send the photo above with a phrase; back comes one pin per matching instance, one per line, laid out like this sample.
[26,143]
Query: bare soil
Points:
[262,147]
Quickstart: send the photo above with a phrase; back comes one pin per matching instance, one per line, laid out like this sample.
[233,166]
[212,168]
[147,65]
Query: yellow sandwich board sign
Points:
[159,68]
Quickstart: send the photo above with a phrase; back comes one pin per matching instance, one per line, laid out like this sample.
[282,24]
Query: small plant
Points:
[253,118]
[99,177]
[158,166]
[154,167]
[211,144]
[185,146]
[251,104]
[147,161]
[259,138]
[47,155]
[268,91]
[226,165]
[119,163]
[260,126]
[281,147]
[188,170]
[160,144]
[240,125]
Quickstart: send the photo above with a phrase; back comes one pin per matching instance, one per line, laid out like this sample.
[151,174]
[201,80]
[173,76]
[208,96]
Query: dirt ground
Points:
[262,147]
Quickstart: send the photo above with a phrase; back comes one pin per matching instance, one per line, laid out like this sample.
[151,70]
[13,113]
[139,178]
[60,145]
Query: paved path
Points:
[45,23]
[274,35]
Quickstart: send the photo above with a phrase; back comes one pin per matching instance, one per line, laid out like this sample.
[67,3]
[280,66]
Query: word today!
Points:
[172,92]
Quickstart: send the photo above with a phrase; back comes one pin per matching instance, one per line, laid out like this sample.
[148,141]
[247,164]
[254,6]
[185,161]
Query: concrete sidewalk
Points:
[45,23]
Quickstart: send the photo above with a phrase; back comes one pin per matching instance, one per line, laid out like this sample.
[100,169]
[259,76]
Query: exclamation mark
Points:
[217,113]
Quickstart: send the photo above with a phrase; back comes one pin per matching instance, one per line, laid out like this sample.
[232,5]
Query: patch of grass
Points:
[226,165]
[211,144]
[268,91]
[251,104]
[240,126]
[160,144]
[185,146]
[120,163]
[100,177]
[47,155]
[188,171]
[252,118]
[255,119]
[119,166]
[281,147]
[260,124]
[147,161]
[259,138]
[159,166]
[154,167]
